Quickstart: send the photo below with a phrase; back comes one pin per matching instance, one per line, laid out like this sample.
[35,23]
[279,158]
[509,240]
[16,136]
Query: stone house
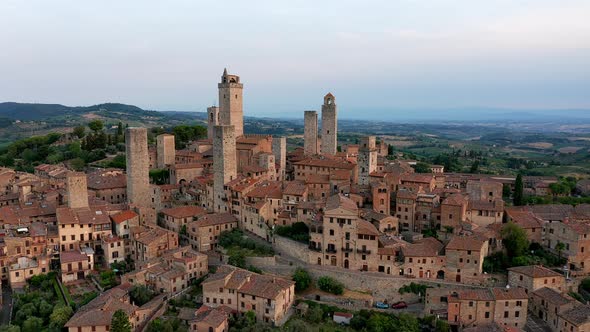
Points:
[464,258]
[150,243]
[269,297]
[575,237]
[204,233]
[76,264]
[424,259]
[176,217]
[547,303]
[534,277]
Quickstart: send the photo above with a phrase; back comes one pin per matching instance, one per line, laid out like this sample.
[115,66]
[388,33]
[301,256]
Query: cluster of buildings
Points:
[364,213]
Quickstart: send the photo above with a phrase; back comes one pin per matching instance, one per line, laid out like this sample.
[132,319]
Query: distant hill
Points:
[37,112]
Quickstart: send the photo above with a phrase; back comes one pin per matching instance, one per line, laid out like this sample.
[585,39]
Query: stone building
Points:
[176,217]
[575,238]
[329,144]
[381,196]
[109,185]
[138,187]
[453,212]
[76,264]
[212,120]
[547,303]
[575,319]
[230,103]
[224,164]
[424,259]
[204,233]
[279,149]
[471,308]
[77,190]
[148,243]
[310,133]
[343,239]
[114,250]
[367,160]
[166,150]
[269,297]
[533,277]
[465,256]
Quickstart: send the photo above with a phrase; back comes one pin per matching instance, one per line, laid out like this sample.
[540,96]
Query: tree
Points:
[422,168]
[95,125]
[302,279]
[140,295]
[32,324]
[79,131]
[407,323]
[327,284]
[120,129]
[474,167]
[237,258]
[315,314]
[60,316]
[381,323]
[518,198]
[515,240]
[442,326]
[120,322]
[9,328]
[560,246]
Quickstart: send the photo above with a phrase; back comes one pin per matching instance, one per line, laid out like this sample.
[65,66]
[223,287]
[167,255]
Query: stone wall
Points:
[77,190]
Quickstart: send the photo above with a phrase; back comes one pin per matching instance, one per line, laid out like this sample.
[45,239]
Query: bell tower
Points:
[230,103]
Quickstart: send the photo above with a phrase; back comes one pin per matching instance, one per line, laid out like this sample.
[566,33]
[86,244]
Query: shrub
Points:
[302,279]
[327,284]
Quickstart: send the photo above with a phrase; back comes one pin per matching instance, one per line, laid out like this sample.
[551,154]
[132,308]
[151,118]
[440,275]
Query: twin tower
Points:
[329,137]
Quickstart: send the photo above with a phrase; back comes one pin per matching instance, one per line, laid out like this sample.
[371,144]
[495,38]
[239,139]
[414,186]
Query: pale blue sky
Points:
[377,57]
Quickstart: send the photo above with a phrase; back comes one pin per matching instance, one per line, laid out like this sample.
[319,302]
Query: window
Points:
[505,314]
[517,314]
[487,314]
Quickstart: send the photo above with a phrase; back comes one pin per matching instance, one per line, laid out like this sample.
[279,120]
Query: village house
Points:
[533,277]
[424,259]
[505,306]
[204,233]
[150,243]
[177,218]
[269,297]
[464,259]
[547,303]
[76,264]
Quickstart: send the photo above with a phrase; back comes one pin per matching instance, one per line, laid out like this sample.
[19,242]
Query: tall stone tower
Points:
[138,166]
[224,164]
[279,149]
[212,120]
[381,197]
[367,159]
[165,150]
[230,102]
[329,125]
[77,190]
[310,133]
[267,161]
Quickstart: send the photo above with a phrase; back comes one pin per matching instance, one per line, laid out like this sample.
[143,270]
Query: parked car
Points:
[399,305]
[381,305]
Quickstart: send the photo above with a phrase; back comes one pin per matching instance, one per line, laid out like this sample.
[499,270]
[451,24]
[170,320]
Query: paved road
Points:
[6,305]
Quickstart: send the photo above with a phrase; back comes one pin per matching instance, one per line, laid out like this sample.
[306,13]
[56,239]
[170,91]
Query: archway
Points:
[346,264]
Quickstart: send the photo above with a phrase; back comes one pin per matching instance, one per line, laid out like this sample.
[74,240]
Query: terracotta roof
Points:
[72,256]
[366,228]
[250,283]
[317,178]
[535,271]
[184,211]
[553,296]
[216,219]
[524,218]
[497,205]
[340,201]
[295,188]
[99,312]
[123,216]
[343,314]
[455,199]
[106,179]
[267,189]
[475,295]
[405,194]
[331,163]
[577,315]
[426,247]
[515,293]
[417,177]
[465,243]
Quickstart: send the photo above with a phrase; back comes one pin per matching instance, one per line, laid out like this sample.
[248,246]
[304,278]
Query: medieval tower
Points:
[310,133]
[212,120]
[367,159]
[165,150]
[279,149]
[138,165]
[329,125]
[381,197]
[224,164]
[77,190]
[230,103]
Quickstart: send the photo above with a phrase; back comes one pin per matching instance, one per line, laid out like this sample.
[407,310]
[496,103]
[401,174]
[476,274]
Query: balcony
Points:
[318,249]
[331,250]
[363,251]
[347,249]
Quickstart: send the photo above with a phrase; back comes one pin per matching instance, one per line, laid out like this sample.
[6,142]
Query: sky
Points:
[379,58]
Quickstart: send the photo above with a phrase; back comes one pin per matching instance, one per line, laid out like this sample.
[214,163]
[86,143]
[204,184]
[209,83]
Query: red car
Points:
[399,305]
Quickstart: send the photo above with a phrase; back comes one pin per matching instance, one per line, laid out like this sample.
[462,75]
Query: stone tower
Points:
[212,120]
[77,190]
[367,159]
[329,125]
[224,164]
[279,149]
[310,133]
[138,165]
[165,150]
[267,161]
[230,102]
[381,197]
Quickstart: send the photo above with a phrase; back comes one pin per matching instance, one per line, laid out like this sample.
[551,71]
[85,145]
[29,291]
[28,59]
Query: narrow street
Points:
[6,305]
